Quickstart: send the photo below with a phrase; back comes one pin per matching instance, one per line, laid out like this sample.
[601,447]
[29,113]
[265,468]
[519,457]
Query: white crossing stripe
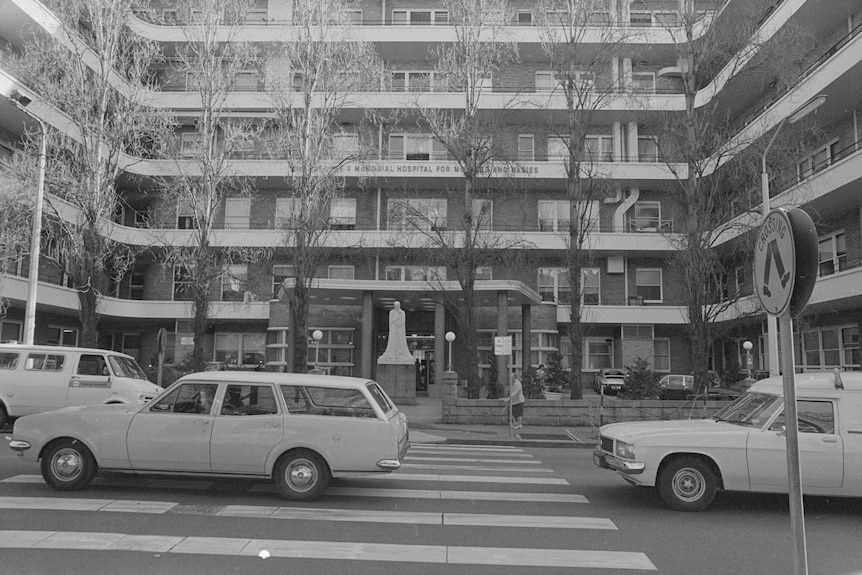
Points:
[60,504]
[466,478]
[458,495]
[483,460]
[275,548]
[509,451]
[472,468]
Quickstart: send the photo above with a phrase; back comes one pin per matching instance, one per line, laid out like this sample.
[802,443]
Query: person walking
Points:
[516,398]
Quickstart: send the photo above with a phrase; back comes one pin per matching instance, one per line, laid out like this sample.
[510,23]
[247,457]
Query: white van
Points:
[35,378]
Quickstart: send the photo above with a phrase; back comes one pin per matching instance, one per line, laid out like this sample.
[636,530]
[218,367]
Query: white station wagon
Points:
[298,429]
[743,447]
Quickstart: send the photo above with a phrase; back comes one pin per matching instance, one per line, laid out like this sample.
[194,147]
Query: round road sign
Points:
[775,262]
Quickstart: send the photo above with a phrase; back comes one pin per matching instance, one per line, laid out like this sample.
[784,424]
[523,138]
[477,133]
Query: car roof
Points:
[58,348]
[278,378]
[811,381]
[613,370]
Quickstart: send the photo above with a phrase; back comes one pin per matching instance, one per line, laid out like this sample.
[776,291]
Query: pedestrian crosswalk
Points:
[509,477]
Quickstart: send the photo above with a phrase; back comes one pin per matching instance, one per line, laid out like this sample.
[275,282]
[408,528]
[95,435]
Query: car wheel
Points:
[68,465]
[4,417]
[688,484]
[302,475]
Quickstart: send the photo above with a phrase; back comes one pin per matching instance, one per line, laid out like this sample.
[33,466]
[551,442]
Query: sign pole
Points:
[794,467]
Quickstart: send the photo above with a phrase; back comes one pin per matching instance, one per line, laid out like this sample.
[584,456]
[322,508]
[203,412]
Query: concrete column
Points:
[502,331]
[450,396]
[526,331]
[366,365]
[440,360]
[633,141]
[291,333]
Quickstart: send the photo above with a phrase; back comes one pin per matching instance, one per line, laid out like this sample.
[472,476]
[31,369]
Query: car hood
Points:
[678,429]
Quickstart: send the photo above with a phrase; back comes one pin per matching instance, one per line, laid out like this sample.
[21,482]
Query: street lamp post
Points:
[21,102]
[747,345]
[450,337]
[771,320]
[317,335]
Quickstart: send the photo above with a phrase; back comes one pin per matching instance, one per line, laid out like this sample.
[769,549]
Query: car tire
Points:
[688,484]
[302,475]
[68,465]
[4,416]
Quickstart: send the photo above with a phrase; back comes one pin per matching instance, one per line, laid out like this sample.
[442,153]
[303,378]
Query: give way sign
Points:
[785,261]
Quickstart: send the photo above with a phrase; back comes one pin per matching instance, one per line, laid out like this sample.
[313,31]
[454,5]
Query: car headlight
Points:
[624,450]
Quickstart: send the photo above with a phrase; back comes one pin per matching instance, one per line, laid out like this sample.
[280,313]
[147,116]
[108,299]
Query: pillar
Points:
[367,336]
[502,331]
[526,339]
[440,362]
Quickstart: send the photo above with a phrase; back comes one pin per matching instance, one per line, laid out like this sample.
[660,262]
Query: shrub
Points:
[642,382]
[556,376]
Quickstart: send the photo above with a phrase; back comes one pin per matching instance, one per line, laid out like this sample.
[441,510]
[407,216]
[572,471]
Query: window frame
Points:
[837,260]
[241,219]
[660,285]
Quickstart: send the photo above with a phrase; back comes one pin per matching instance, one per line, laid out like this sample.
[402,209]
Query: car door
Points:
[248,426]
[821,450]
[90,382]
[173,434]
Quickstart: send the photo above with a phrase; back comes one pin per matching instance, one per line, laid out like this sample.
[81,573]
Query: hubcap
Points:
[67,464]
[301,475]
[688,484]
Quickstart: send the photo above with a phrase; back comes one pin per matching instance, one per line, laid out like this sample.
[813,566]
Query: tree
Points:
[95,73]
[581,66]
[311,78]
[713,167]
[478,53]
[17,194]
[211,57]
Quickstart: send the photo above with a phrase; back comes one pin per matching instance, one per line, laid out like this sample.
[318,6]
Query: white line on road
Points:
[473,468]
[60,504]
[275,548]
[458,495]
[466,478]
[483,460]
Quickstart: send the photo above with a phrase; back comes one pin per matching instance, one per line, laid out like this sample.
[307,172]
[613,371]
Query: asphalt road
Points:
[452,509]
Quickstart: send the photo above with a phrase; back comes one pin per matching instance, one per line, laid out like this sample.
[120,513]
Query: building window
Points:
[640,19]
[190,143]
[599,148]
[342,214]
[661,355]
[353,17]
[415,147]
[484,273]
[341,272]
[647,149]
[233,282]
[599,353]
[524,18]
[646,218]
[417,214]
[553,285]
[558,147]
[186,219]
[820,159]
[136,286]
[833,253]
[182,284]
[648,284]
[526,148]
[420,17]
[279,274]
[65,336]
[546,81]
[553,215]
[333,353]
[10,331]
[286,212]
[418,81]
[483,211]
[345,145]
[245,81]
[590,286]
[240,350]
[415,273]
[237,213]
[832,347]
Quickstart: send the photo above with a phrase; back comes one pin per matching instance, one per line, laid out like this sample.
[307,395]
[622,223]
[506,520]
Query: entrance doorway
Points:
[422,347]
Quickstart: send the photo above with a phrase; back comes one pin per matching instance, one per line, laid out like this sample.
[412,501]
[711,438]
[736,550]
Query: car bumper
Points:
[608,461]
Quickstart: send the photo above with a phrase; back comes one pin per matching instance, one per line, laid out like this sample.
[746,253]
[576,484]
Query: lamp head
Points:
[747,345]
[317,335]
[450,336]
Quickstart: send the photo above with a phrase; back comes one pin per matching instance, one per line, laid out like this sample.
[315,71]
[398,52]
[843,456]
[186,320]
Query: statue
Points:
[396,347]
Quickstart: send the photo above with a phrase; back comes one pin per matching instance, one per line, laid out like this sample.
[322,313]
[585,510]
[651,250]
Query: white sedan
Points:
[743,447]
[298,429]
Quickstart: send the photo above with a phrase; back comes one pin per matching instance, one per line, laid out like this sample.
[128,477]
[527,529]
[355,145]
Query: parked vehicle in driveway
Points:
[676,386]
[36,378]
[742,447]
[610,381]
[300,430]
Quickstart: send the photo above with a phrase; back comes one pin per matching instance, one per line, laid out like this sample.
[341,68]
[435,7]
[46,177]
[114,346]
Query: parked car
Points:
[36,378]
[610,381]
[676,386]
[743,446]
[300,430]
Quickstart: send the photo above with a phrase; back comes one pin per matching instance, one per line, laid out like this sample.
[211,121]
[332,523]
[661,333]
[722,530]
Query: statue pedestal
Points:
[398,381]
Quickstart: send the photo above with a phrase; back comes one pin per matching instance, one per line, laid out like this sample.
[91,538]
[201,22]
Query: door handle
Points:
[274,424]
[202,421]
[830,440]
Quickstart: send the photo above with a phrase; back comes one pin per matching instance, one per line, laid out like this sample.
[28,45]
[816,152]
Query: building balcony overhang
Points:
[625,314]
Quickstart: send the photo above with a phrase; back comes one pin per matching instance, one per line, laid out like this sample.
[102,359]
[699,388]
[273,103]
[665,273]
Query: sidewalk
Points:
[424,419]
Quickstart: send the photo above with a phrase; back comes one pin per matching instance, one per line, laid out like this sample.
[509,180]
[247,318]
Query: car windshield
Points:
[751,410]
[125,367]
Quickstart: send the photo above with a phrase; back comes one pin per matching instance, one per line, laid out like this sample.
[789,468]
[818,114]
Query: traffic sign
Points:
[775,262]
[785,261]
[503,345]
